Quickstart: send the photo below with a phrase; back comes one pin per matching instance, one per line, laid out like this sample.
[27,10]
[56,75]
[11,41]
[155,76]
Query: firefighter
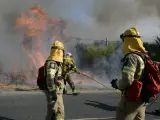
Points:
[133,66]
[69,66]
[55,85]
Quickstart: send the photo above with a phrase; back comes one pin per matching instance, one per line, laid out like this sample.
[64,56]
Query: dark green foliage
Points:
[154,49]
[157,40]
[87,53]
[105,58]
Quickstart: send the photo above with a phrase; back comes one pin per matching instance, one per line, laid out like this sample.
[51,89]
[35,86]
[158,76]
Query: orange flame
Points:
[32,24]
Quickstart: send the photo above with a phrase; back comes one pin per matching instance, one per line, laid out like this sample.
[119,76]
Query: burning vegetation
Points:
[36,28]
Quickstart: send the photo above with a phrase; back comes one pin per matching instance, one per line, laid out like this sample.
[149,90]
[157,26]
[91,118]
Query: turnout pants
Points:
[127,110]
[68,79]
[55,106]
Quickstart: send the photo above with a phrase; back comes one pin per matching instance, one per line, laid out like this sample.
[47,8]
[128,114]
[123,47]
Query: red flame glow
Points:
[33,26]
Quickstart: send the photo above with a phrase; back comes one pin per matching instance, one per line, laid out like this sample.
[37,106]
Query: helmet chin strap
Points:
[123,36]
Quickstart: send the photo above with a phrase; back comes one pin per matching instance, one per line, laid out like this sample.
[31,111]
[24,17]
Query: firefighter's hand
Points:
[113,83]
[72,67]
[60,84]
[77,71]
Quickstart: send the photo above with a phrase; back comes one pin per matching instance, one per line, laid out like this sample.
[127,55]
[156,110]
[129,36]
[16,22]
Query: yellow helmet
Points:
[58,44]
[132,41]
[132,32]
[57,51]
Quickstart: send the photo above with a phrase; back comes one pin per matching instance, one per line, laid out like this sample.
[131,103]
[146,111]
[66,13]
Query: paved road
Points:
[32,106]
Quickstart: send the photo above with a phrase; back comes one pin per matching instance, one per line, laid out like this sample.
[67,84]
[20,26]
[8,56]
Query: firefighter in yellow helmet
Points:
[133,66]
[55,85]
[69,66]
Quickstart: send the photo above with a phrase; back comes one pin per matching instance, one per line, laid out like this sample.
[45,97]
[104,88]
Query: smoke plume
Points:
[94,19]
[98,19]
[10,46]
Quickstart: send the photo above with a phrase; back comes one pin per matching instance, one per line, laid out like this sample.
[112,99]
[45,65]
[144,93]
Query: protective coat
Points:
[54,82]
[133,66]
[69,65]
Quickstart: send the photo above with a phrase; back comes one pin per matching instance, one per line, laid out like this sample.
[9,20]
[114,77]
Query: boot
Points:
[74,92]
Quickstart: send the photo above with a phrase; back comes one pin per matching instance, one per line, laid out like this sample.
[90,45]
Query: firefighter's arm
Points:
[77,70]
[73,66]
[51,72]
[128,72]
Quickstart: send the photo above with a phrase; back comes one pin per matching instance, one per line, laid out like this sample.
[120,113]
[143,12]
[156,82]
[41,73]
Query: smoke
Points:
[95,19]
[10,47]
[123,11]
[150,6]
[107,68]
[98,19]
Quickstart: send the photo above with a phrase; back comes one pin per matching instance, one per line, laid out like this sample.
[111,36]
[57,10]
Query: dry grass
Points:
[13,87]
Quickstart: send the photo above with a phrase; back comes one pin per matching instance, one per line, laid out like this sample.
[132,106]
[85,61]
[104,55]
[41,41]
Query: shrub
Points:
[88,53]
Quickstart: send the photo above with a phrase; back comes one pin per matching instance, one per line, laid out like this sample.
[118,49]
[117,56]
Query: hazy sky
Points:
[96,19]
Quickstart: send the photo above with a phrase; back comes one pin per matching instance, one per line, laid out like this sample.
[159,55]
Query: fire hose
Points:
[82,73]
[85,74]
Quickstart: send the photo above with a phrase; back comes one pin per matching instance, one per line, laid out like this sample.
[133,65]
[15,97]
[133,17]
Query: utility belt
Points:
[65,74]
[59,77]
[59,82]
[133,93]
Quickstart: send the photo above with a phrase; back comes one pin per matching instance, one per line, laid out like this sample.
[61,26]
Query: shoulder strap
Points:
[144,58]
[142,55]
[45,73]
[123,59]
[56,74]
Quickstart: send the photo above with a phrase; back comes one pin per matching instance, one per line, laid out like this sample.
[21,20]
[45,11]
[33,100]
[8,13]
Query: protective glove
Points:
[113,83]
[60,84]
[77,71]
[72,67]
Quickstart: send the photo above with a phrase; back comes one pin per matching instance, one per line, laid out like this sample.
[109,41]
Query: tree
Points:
[157,40]
[154,49]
